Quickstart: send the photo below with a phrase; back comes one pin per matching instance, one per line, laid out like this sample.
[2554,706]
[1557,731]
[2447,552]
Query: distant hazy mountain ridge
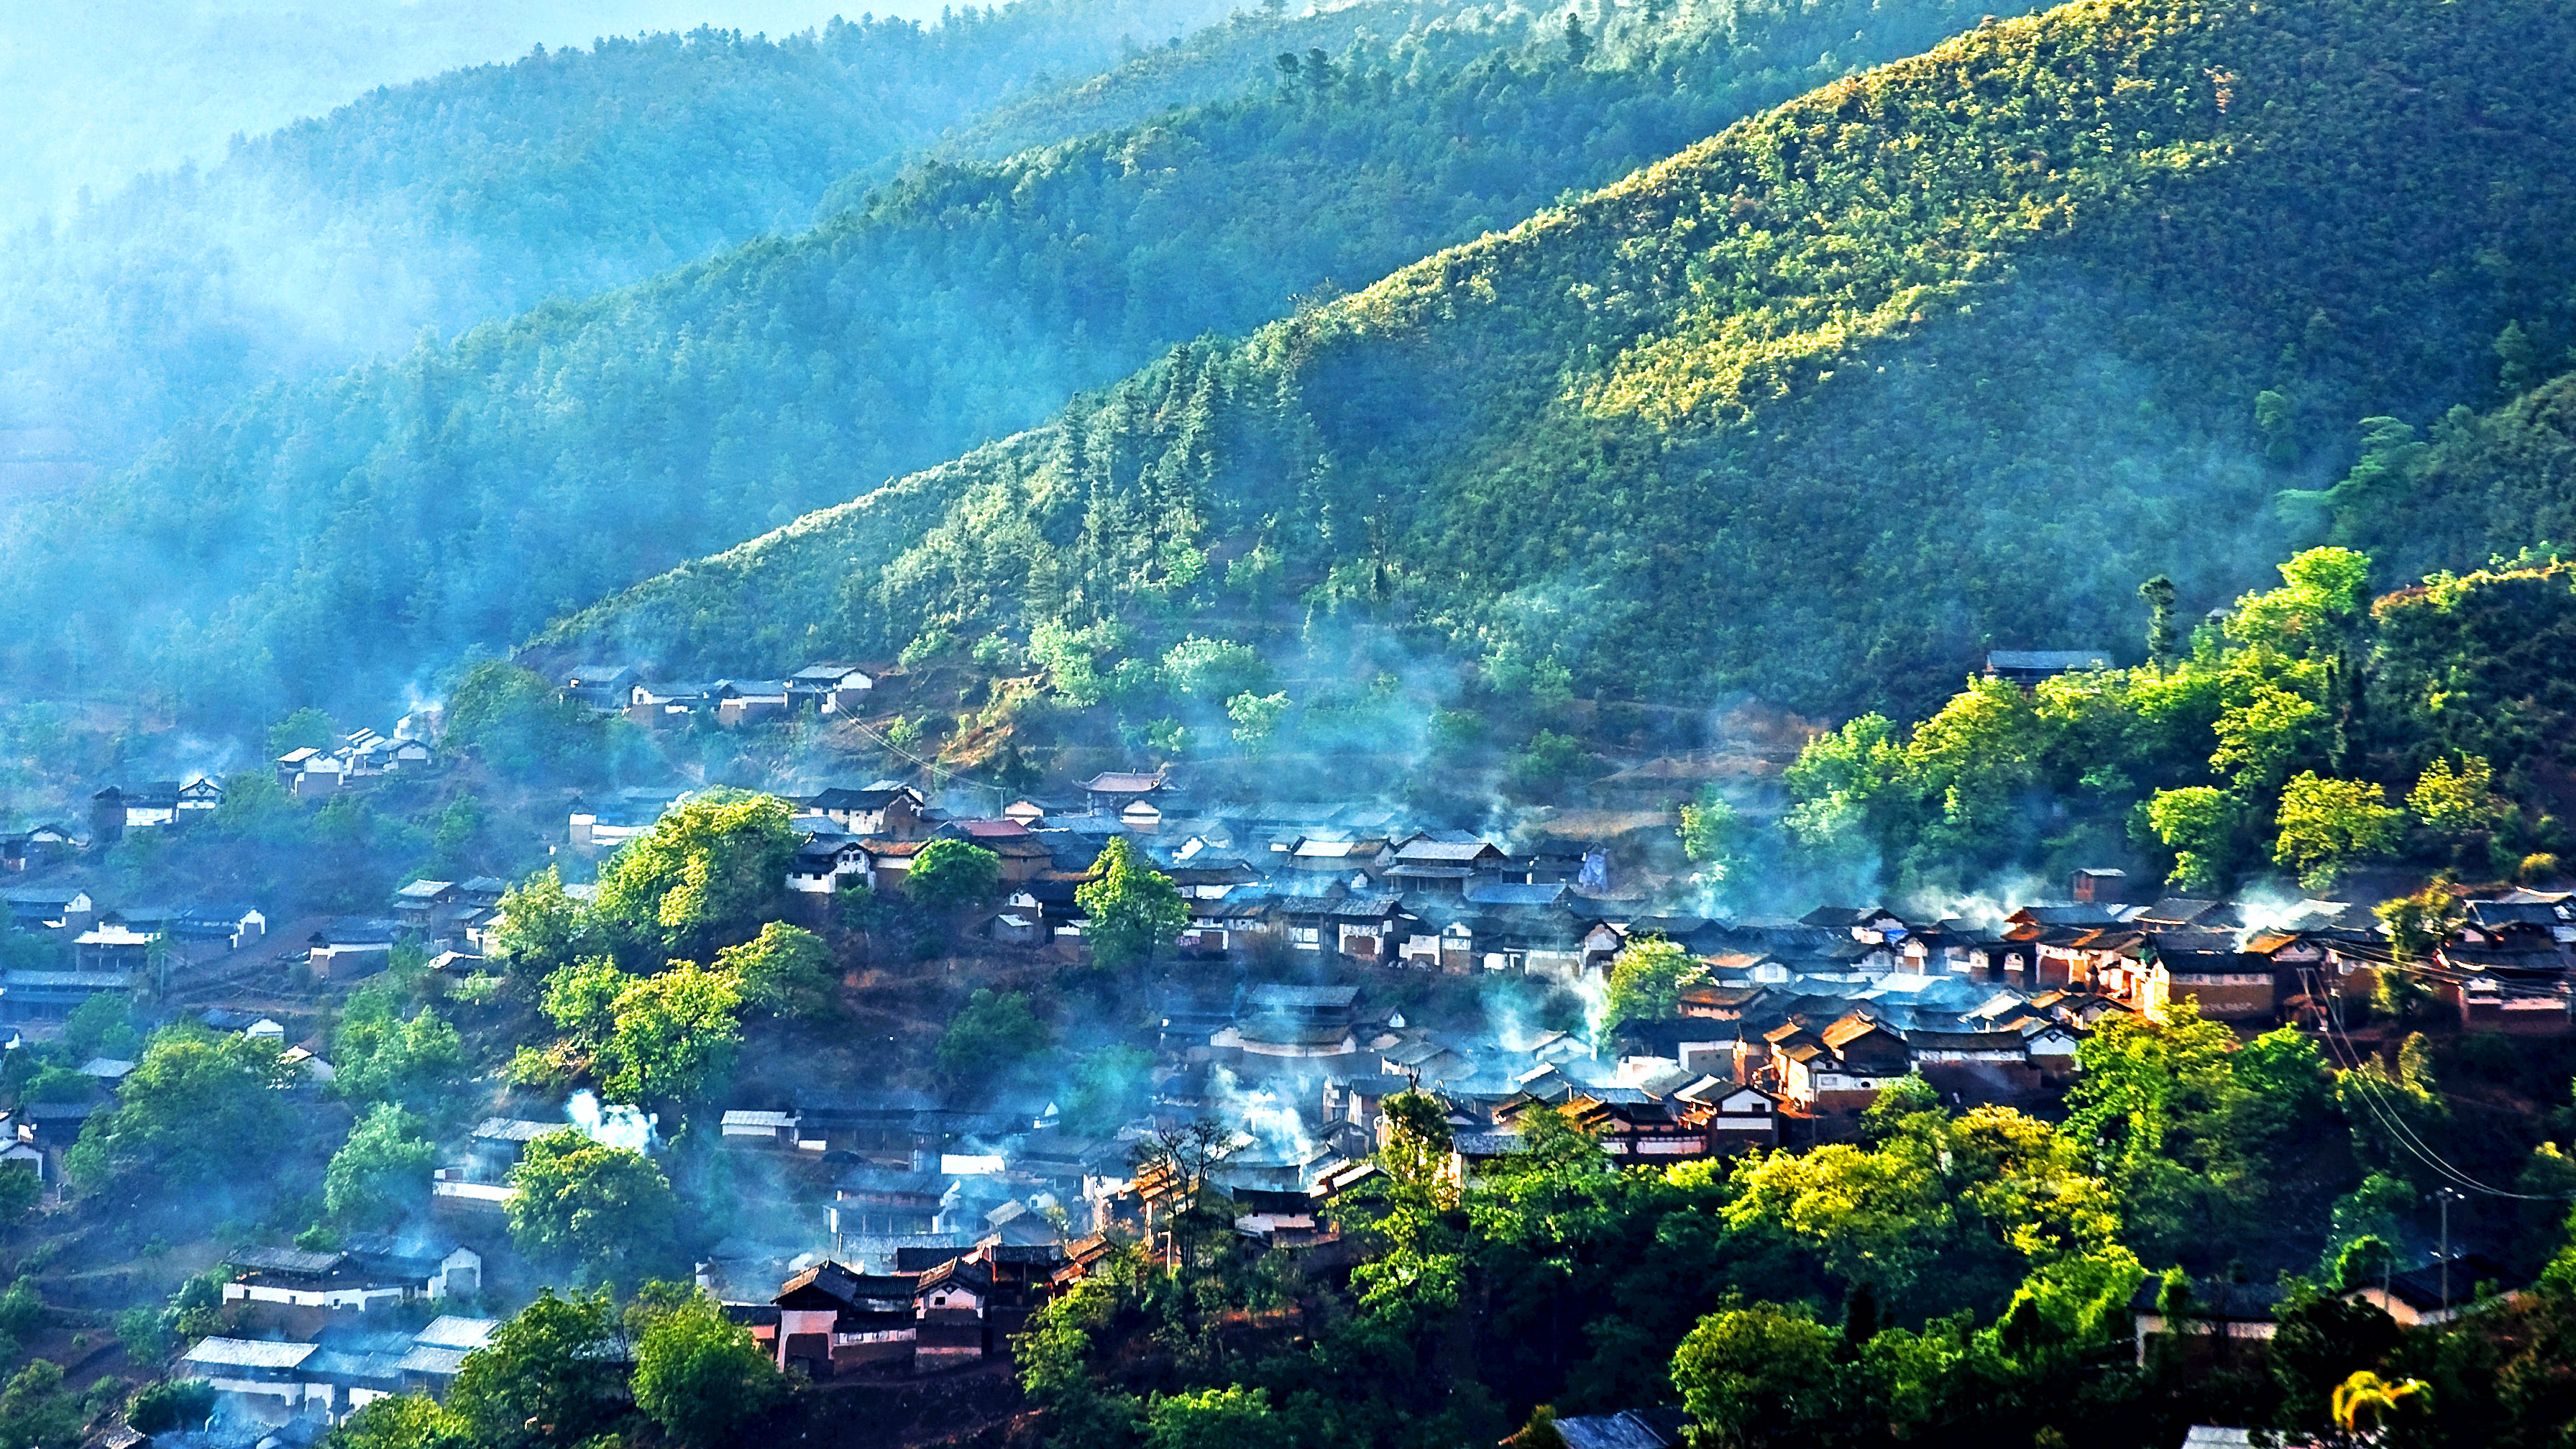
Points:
[481,192]
[356,534]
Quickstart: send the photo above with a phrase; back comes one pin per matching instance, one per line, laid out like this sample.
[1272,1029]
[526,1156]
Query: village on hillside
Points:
[1334,956]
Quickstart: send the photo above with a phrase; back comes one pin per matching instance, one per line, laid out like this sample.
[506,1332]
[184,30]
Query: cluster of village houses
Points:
[919,1231]
[922,1230]
[109,946]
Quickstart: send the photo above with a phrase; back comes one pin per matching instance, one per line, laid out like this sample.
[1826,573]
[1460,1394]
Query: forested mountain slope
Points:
[1779,46]
[2473,486]
[478,193]
[1951,354]
[328,540]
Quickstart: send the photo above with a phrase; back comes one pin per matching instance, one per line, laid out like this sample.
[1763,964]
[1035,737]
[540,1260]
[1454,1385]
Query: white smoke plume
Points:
[611,1124]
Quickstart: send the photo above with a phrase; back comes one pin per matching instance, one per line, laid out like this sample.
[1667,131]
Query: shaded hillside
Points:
[2467,489]
[1948,356]
[346,537]
[478,193]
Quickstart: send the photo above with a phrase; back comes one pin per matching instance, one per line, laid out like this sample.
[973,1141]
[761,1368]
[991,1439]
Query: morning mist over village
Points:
[1230,724]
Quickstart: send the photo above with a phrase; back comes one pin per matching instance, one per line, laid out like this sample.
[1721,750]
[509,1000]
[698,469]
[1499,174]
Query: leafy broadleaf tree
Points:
[1416,1153]
[514,720]
[19,1190]
[257,809]
[1133,911]
[553,1374]
[952,874]
[37,1411]
[785,969]
[670,1035]
[700,1377]
[707,874]
[2326,825]
[1714,837]
[180,1404]
[1757,1375]
[402,1421]
[2198,823]
[1646,981]
[2417,926]
[384,1056]
[380,1176]
[306,729]
[541,926]
[675,1033]
[198,1109]
[607,1210]
[991,1031]
[1232,1417]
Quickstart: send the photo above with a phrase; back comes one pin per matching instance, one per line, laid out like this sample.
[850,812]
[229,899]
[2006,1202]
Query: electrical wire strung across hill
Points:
[2385,959]
[2349,1058]
[940,774]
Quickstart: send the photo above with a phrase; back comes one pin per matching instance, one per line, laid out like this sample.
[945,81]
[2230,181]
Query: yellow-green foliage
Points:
[709,870]
[2264,736]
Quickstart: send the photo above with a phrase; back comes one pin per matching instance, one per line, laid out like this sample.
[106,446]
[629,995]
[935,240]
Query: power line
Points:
[939,774]
[2386,1114]
[2380,958]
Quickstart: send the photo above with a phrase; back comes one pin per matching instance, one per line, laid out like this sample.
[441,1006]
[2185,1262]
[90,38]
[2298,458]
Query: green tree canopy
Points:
[2198,823]
[708,873]
[1757,1376]
[1208,670]
[2457,800]
[581,999]
[402,1421]
[514,720]
[306,729]
[607,1210]
[554,1374]
[197,1109]
[952,874]
[385,1056]
[37,1411]
[2419,923]
[256,808]
[380,1176]
[675,1034]
[2321,595]
[19,1190]
[1415,1154]
[1232,1417]
[2326,825]
[1256,718]
[2190,1131]
[670,1035]
[1132,911]
[1714,837]
[699,1376]
[990,1032]
[541,926]
[101,1026]
[785,969]
[1646,981]
[169,1404]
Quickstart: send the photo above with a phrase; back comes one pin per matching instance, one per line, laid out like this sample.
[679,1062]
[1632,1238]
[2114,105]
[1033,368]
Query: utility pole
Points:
[2444,1196]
